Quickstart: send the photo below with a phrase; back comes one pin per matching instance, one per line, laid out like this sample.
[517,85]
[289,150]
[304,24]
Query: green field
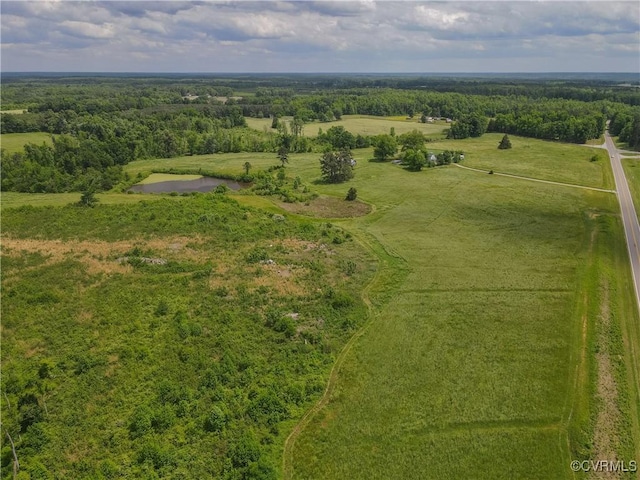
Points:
[16,199]
[360,124]
[167,177]
[632,172]
[545,160]
[232,164]
[477,270]
[15,142]
[471,369]
[490,297]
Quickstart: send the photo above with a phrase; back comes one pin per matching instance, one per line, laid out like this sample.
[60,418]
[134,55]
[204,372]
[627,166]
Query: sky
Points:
[320,36]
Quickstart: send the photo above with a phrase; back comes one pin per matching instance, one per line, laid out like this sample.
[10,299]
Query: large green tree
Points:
[337,166]
[385,147]
[414,159]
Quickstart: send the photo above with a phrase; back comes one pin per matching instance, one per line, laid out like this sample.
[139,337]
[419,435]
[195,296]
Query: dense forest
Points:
[100,124]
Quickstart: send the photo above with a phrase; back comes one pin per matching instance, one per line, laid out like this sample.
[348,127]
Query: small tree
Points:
[505,143]
[352,194]
[413,140]
[247,167]
[283,155]
[337,167]
[88,198]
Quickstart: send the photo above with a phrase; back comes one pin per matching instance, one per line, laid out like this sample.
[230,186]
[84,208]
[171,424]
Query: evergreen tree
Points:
[505,143]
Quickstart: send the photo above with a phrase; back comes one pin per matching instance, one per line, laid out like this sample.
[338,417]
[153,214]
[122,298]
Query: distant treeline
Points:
[103,123]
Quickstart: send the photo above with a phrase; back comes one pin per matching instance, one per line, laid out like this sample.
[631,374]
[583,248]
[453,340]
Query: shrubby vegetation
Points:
[116,364]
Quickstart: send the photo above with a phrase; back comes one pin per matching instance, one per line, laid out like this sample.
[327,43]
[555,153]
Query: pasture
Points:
[476,357]
[360,124]
[167,177]
[541,159]
[476,365]
[15,142]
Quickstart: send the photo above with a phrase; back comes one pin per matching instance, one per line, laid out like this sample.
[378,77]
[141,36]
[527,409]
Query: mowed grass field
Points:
[476,365]
[167,177]
[360,124]
[545,160]
[15,142]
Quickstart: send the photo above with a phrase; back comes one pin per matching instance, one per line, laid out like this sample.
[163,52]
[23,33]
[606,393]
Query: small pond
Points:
[204,184]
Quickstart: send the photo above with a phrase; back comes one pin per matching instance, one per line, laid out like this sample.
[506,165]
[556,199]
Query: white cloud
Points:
[88,30]
[318,36]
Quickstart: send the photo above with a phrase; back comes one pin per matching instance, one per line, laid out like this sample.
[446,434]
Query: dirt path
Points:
[287,455]
[537,179]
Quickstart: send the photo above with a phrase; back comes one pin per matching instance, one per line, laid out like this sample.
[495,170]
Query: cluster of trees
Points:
[337,166]
[627,126]
[550,126]
[67,165]
[468,126]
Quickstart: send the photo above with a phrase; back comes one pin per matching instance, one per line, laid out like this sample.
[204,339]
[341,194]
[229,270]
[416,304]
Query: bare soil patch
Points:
[97,256]
[328,207]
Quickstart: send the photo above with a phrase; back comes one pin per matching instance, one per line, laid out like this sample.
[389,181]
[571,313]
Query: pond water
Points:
[204,184]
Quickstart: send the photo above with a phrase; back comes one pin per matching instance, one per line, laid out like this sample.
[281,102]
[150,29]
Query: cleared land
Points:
[559,162]
[167,177]
[15,199]
[15,142]
[123,368]
[476,361]
[475,367]
[360,124]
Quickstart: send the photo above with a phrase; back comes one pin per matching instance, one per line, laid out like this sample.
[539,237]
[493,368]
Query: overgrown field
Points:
[16,199]
[168,339]
[15,142]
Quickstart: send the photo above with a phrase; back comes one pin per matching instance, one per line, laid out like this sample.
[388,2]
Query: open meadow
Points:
[15,142]
[360,124]
[476,354]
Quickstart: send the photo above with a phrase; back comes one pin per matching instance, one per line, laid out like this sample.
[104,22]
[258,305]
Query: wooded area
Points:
[100,124]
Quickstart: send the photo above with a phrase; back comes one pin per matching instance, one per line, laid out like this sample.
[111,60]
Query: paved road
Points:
[629,217]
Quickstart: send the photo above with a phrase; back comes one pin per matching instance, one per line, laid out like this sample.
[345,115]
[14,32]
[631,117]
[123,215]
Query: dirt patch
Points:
[328,207]
[97,256]
[605,437]
[282,279]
